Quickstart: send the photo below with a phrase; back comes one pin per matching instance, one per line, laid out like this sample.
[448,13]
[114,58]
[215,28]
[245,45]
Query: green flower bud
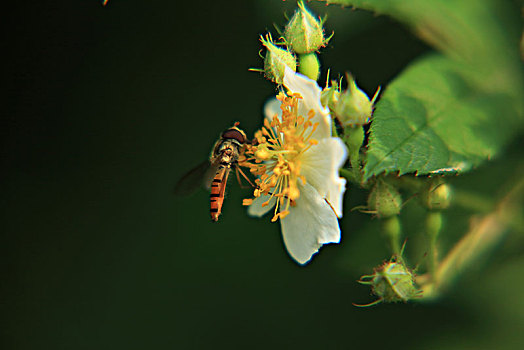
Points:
[392,282]
[329,96]
[436,195]
[384,200]
[276,60]
[354,106]
[304,32]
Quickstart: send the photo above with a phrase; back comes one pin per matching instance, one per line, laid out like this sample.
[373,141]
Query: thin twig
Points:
[484,234]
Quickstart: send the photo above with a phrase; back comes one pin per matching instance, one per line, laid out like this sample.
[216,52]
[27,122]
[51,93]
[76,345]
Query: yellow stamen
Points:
[277,156]
[283,214]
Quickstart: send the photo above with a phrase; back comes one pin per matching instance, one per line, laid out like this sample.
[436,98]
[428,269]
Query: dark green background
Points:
[106,108]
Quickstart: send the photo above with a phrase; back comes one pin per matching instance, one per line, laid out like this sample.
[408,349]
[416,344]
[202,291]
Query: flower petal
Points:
[320,167]
[310,92]
[309,224]
[257,210]
[272,109]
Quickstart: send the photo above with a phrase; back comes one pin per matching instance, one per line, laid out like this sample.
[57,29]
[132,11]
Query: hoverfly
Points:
[214,173]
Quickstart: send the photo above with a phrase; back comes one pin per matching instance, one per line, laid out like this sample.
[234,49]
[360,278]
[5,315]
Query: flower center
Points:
[276,155]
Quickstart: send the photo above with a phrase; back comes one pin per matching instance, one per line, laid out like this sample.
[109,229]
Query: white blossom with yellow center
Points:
[296,160]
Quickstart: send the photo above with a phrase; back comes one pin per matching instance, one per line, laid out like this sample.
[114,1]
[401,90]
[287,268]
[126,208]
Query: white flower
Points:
[297,161]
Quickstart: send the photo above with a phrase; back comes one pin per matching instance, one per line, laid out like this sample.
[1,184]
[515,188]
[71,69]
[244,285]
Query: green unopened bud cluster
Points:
[392,282]
[303,36]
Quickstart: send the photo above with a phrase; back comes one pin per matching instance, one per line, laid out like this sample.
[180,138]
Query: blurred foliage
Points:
[444,112]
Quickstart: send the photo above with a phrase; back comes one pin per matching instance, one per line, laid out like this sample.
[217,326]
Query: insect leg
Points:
[239,172]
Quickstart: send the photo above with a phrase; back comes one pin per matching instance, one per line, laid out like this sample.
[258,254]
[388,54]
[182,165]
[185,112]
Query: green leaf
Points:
[455,110]
[432,120]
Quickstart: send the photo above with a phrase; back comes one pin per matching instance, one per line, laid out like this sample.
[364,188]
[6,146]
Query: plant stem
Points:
[309,65]
[349,175]
[354,137]
[393,232]
[483,235]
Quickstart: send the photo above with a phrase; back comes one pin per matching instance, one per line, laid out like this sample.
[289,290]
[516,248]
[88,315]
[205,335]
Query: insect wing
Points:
[200,175]
[210,175]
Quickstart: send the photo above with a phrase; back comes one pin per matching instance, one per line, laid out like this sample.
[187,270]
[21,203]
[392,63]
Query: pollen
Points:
[277,155]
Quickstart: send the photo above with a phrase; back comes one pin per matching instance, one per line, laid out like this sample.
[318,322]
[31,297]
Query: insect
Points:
[214,173]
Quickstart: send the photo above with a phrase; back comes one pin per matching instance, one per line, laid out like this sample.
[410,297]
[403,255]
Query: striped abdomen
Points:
[218,188]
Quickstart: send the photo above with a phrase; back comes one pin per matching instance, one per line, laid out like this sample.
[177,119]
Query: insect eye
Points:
[234,134]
